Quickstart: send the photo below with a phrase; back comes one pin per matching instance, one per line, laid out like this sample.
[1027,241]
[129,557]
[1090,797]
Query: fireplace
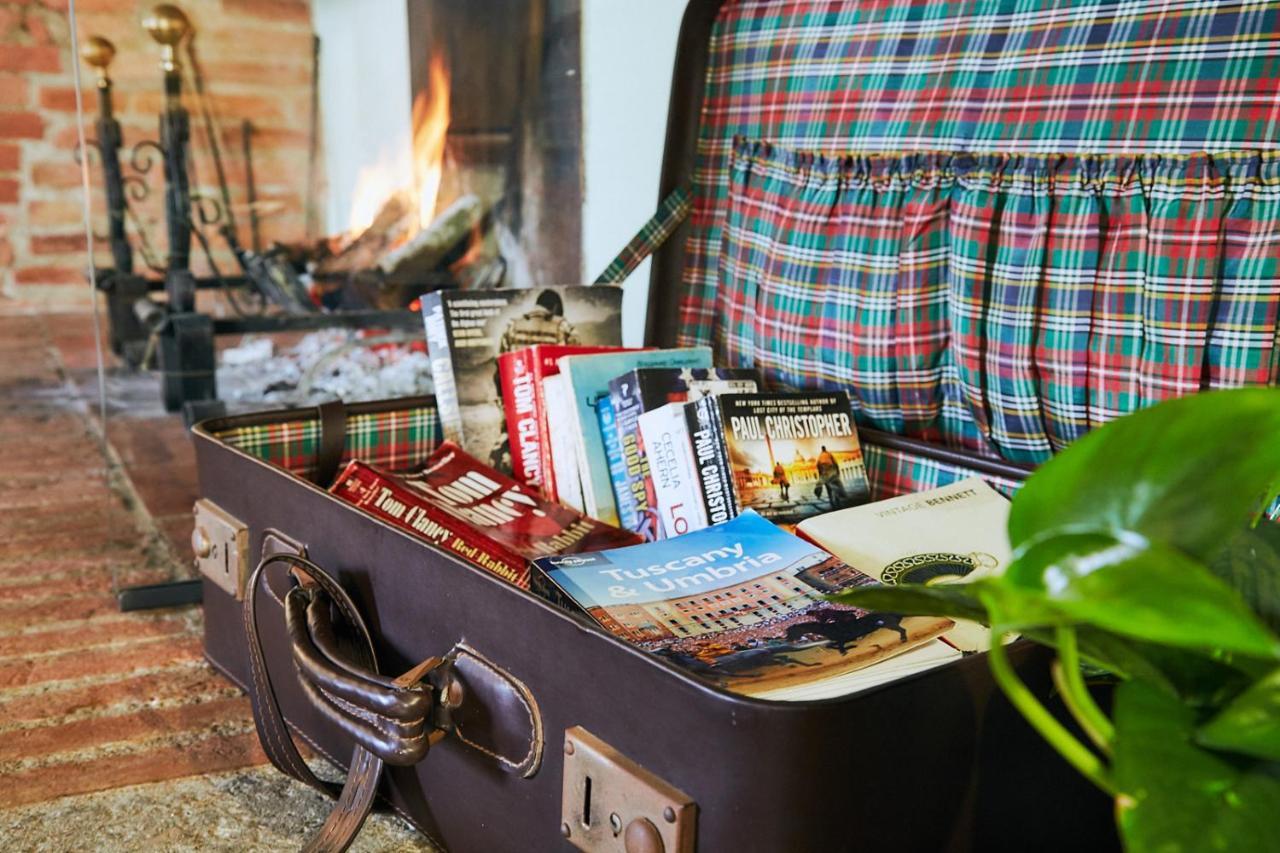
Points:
[488,190]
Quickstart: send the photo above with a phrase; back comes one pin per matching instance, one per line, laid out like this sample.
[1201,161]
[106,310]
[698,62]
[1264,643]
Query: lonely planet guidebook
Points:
[739,604]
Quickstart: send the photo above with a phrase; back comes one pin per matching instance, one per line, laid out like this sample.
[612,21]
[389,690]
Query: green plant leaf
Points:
[1250,724]
[1137,589]
[955,601]
[1177,797]
[1187,473]
[1250,564]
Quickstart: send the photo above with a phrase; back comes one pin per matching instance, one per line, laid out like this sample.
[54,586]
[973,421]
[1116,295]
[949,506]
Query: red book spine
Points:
[540,372]
[383,498]
[520,398]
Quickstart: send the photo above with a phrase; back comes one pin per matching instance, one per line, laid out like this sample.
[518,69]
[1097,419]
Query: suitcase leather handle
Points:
[392,721]
[387,718]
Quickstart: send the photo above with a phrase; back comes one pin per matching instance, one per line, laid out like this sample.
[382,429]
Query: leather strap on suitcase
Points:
[387,719]
[392,721]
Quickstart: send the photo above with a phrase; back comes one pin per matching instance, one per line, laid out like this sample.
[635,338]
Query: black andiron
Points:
[182,338]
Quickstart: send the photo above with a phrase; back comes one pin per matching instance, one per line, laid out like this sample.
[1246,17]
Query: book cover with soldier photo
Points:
[740,604]
[787,456]
[468,329]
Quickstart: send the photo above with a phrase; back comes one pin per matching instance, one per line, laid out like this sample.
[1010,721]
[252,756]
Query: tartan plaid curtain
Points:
[1054,248]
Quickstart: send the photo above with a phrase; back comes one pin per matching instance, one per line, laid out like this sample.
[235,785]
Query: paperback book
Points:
[463,506]
[586,381]
[521,373]
[787,456]
[953,534]
[468,329]
[642,390]
[676,492]
[740,605]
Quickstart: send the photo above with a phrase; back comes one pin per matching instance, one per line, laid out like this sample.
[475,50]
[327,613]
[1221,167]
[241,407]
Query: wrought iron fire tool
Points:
[181,337]
[98,53]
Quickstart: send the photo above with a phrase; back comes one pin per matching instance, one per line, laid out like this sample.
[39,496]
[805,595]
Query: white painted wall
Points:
[365,94]
[628,48]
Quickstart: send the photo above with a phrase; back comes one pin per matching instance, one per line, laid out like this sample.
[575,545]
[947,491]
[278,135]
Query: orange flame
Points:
[430,126]
[415,169]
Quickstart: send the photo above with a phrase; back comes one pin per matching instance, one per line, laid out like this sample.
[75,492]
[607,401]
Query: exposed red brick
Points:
[211,754]
[183,678]
[24,615]
[58,214]
[14,89]
[46,58]
[6,253]
[43,589]
[49,275]
[61,98]
[81,637]
[56,175]
[271,10]
[21,125]
[77,664]
[56,244]
[10,157]
[8,191]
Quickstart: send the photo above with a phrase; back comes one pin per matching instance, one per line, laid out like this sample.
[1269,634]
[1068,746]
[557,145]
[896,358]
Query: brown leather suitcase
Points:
[546,733]
[934,762]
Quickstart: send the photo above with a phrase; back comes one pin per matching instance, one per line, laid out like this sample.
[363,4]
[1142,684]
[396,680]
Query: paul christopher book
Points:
[463,506]
[468,329]
[642,390]
[739,604]
[787,456]
[952,534]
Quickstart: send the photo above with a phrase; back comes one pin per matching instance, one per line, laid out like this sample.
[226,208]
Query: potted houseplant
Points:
[1141,555]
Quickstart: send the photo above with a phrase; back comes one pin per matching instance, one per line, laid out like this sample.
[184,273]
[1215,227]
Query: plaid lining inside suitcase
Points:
[397,440]
[1001,303]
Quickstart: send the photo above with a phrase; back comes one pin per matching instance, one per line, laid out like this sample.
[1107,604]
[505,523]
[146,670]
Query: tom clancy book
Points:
[468,329]
[740,604]
[639,391]
[521,373]
[787,456]
[493,521]
[384,496]
[953,534]
[586,379]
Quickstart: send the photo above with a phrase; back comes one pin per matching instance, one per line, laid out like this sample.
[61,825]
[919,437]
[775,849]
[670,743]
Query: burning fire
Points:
[430,125]
[414,172]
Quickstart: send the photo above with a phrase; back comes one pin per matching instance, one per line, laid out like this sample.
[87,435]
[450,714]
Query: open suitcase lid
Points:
[1060,278]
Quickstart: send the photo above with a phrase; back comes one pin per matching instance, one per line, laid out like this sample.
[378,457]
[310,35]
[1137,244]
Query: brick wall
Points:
[256,56]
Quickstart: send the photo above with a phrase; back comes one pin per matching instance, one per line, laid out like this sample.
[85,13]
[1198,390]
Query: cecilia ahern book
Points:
[739,604]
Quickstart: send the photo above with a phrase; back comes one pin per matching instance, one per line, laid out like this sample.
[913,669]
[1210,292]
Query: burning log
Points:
[392,226]
[428,250]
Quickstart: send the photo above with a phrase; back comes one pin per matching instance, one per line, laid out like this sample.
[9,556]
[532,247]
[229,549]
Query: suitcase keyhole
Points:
[586,803]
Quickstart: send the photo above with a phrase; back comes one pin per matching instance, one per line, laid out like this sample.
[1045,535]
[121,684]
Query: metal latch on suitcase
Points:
[610,804]
[221,545]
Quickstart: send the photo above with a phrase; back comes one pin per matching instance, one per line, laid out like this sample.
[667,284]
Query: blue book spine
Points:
[634,484]
[627,515]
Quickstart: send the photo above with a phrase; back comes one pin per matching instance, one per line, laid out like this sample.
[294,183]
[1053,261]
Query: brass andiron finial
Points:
[168,25]
[98,53]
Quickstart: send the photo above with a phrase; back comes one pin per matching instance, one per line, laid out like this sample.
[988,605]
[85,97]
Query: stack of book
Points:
[658,494]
